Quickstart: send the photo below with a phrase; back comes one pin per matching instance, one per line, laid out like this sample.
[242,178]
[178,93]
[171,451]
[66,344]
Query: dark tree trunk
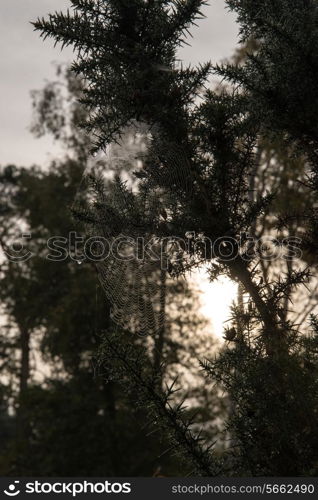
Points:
[25,360]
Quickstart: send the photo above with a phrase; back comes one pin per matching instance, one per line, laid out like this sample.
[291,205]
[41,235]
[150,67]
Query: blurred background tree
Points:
[60,417]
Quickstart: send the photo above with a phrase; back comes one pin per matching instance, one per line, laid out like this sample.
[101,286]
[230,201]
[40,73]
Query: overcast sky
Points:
[26,62]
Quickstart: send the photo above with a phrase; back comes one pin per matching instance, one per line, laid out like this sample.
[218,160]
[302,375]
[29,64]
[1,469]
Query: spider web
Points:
[134,282]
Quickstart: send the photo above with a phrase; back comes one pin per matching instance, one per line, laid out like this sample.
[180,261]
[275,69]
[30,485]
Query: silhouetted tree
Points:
[197,171]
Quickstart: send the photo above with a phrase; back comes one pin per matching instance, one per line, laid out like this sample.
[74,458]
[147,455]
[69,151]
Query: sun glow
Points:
[216,299]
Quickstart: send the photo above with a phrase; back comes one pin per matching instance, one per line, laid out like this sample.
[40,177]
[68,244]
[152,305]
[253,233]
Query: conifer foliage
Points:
[281,77]
[127,52]
[198,166]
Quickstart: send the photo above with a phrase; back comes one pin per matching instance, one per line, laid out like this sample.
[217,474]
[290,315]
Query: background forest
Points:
[113,369]
[59,416]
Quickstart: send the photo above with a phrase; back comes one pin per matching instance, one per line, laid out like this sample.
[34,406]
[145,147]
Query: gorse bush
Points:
[201,173]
